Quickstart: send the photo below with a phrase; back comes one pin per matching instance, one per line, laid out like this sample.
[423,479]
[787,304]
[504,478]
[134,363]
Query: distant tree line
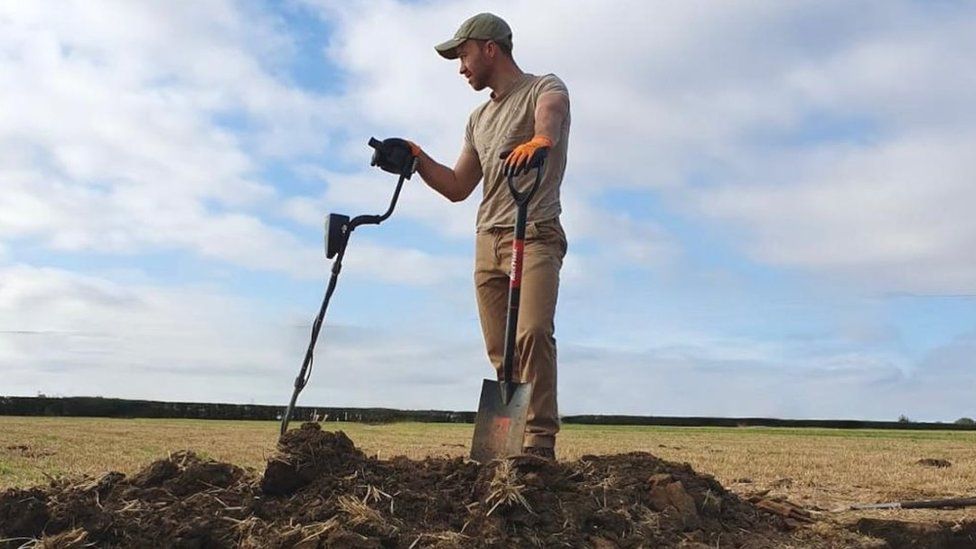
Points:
[124,408]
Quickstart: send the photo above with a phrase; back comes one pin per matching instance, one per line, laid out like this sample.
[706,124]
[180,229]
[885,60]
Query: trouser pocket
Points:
[547,237]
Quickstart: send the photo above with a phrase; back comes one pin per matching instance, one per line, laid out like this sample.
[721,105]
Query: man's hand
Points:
[526,155]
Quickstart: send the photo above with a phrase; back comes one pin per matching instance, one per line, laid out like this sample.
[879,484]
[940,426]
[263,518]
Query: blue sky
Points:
[768,204]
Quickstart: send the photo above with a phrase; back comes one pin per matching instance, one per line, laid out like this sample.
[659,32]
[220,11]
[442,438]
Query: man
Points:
[524,114]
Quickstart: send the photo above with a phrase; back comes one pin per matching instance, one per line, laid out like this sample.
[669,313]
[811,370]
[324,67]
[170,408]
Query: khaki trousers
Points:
[535,348]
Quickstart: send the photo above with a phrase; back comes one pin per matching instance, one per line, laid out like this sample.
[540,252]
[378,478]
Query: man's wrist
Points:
[542,140]
[414,148]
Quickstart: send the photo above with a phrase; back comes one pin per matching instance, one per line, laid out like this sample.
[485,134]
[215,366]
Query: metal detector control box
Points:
[336,229]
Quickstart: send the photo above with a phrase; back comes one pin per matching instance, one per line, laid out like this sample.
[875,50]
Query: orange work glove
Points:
[526,155]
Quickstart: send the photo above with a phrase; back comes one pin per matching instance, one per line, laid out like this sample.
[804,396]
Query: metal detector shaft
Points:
[306,371]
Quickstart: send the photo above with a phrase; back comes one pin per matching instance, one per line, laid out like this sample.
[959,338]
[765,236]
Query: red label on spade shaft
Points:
[518,249]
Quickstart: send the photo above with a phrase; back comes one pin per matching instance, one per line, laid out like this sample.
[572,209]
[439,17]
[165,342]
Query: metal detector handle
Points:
[515,284]
[377,219]
[393,155]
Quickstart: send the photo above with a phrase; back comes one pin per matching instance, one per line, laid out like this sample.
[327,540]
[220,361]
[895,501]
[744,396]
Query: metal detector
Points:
[391,155]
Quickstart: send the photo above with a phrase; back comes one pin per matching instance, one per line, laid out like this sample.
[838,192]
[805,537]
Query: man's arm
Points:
[550,111]
[456,184]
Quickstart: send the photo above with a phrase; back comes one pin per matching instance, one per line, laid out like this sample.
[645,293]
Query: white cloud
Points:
[110,137]
[109,123]
[370,193]
[407,266]
[739,378]
[895,216]
[63,333]
[97,124]
[77,334]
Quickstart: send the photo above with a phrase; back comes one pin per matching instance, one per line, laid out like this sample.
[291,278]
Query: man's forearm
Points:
[442,179]
[438,177]
[550,114]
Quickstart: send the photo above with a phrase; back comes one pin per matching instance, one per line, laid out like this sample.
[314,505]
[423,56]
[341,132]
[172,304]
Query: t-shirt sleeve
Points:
[469,145]
[551,83]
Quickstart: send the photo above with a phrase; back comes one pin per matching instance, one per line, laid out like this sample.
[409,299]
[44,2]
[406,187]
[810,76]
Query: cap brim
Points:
[448,50]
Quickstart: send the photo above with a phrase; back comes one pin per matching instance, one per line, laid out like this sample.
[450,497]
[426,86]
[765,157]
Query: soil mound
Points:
[320,491]
[307,454]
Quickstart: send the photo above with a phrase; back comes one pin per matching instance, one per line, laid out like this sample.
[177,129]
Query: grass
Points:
[814,467]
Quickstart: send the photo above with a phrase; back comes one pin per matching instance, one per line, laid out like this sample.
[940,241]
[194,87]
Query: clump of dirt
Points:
[28,452]
[307,454]
[174,499]
[934,462]
[909,535]
[321,491]
[22,512]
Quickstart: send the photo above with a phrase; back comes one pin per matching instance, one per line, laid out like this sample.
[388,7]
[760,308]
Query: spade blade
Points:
[499,427]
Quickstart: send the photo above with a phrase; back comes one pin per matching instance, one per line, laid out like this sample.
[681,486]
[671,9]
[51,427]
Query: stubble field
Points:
[818,470]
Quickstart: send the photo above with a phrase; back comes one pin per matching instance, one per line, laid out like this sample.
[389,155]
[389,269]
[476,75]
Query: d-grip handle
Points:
[537,162]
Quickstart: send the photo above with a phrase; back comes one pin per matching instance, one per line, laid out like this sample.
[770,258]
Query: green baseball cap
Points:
[484,26]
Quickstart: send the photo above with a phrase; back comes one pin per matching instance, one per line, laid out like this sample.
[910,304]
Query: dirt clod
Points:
[905,535]
[157,473]
[22,512]
[934,462]
[306,454]
[28,452]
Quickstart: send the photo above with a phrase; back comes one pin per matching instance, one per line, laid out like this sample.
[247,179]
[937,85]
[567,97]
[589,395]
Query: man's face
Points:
[476,63]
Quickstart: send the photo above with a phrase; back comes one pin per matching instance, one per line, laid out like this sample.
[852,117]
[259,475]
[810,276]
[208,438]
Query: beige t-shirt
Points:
[501,124]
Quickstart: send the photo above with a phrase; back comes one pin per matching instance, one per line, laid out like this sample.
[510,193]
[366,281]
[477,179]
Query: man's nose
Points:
[463,70]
